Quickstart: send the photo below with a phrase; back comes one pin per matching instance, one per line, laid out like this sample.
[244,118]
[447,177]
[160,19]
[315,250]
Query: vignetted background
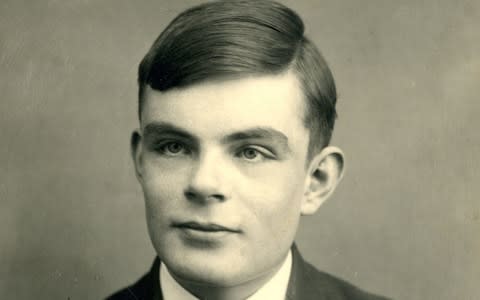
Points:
[405,222]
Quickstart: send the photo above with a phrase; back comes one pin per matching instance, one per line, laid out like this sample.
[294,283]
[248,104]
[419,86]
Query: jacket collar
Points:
[302,285]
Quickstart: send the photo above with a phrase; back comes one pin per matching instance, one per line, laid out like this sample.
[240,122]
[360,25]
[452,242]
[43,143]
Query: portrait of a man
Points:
[239,149]
[236,110]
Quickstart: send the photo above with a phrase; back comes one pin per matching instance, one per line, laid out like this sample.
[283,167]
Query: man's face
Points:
[222,167]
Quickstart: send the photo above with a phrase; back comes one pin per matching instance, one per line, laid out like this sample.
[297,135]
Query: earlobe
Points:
[324,173]
[135,152]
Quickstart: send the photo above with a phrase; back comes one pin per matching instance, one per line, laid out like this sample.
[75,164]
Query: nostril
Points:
[219,197]
[195,196]
[190,195]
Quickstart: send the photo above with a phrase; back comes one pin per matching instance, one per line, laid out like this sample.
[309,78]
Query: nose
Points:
[208,180]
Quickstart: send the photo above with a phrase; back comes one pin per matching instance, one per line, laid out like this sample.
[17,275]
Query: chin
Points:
[217,267]
[207,272]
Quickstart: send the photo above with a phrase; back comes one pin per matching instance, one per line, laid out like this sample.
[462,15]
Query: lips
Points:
[205,227]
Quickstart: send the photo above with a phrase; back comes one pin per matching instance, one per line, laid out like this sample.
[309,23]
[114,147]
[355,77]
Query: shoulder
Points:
[340,287]
[136,291]
[147,287]
[309,283]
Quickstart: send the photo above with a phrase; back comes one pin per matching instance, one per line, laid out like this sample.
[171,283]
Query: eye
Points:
[255,154]
[250,153]
[173,149]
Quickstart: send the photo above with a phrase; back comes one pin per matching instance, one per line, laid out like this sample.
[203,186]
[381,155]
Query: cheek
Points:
[162,187]
[273,197]
[275,181]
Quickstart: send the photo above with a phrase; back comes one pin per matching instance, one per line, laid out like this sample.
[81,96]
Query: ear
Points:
[325,171]
[136,152]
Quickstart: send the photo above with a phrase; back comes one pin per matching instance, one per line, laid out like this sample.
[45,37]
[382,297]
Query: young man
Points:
[236,110]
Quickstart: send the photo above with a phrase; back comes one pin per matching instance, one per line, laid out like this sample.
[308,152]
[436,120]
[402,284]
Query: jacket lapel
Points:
[306,283]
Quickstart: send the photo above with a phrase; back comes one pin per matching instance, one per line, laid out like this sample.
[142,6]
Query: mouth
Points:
[204,235]
[204,227]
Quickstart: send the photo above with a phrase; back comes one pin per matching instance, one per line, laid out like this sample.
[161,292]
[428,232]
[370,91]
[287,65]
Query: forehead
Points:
[215,108]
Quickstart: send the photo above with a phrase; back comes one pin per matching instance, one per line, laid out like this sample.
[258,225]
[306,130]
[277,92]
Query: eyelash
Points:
[260,151]
[163,148]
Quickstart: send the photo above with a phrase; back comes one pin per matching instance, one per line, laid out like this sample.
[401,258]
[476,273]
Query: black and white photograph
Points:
[240,149]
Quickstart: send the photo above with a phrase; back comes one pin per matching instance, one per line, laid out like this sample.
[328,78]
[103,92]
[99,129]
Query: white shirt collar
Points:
[274,289]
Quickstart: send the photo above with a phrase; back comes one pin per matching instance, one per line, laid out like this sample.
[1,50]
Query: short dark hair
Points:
[235,38]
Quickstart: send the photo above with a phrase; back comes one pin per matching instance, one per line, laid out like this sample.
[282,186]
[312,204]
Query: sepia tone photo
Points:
[239,149]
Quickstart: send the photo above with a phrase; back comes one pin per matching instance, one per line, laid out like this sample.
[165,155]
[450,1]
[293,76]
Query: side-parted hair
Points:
[238,38]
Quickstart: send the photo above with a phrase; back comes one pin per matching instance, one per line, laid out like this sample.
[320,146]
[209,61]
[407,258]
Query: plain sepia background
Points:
[405,221]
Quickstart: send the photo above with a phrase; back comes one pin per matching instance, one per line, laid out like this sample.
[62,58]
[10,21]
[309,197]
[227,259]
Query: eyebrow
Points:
[162,128]
[265,133]
[254,133]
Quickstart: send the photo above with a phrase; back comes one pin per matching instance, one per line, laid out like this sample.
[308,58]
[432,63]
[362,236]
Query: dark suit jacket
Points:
[306,283]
